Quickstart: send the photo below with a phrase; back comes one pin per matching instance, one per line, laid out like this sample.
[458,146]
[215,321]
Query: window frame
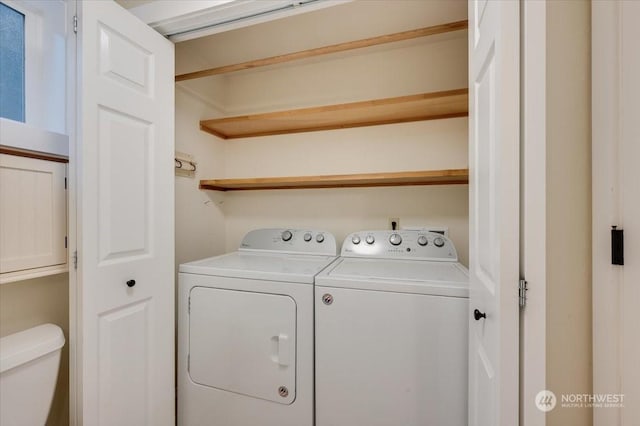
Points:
[35,134]
[32,60]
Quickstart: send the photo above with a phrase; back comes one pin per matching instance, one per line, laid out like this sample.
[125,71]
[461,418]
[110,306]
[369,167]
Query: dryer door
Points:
[243,342]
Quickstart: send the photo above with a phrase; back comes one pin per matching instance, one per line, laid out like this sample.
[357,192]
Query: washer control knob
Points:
[422,240]
[286,235]
[319,238]
[395,239]
[355,239]
[439,242]
[307,237]
[370,239]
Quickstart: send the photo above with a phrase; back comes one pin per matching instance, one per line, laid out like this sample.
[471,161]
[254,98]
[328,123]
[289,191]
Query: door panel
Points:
[125,219]
[123,332]
[494,212]
[243,342]
[124,146]
[386,359]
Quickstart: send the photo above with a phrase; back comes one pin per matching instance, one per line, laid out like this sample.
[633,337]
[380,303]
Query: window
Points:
[12,63]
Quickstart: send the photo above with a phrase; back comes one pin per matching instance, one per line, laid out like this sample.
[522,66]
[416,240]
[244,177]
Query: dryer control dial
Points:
[319,238]
[422,240]
[439,242]
[395,239]
[286,235]
[307,237]
[355,239]
[370,239]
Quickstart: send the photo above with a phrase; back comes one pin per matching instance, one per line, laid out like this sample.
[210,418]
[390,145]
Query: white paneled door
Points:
[125,277]
[493,212]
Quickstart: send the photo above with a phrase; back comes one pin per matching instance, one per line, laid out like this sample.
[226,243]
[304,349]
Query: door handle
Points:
[283,350]
[477,315]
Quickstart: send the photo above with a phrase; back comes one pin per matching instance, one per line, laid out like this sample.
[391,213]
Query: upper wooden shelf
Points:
[326,50]
[425,106]
[428,177]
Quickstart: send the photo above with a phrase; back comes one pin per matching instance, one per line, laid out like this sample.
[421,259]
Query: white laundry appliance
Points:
[245,334]
[391,332]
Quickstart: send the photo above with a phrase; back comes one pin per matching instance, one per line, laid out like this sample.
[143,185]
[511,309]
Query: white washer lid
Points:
[19,348]
[404,276]
[265,266]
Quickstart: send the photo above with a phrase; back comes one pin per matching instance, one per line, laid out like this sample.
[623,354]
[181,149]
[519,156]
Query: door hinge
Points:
[75,259]
[617,246]
[65,183]
[65,241]
[75,24]
[522,293]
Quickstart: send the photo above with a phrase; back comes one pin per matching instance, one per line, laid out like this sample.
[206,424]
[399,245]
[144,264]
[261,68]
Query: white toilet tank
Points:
[29,362]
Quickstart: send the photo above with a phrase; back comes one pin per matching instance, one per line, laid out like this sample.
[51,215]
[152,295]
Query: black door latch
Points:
[617,246]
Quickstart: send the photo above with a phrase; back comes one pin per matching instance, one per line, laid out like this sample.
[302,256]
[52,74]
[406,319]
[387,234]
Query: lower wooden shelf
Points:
[425,177]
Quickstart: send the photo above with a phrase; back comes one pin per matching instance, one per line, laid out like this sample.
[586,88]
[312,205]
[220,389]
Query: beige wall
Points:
[199,218]
[569,361]
[25,304]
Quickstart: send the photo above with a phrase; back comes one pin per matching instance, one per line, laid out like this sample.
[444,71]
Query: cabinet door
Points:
[33,213]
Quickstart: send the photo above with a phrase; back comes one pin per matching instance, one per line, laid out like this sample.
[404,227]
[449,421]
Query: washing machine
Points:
[245,332]
[391,332]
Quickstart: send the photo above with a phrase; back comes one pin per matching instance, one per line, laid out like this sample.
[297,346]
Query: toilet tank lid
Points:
[19,348]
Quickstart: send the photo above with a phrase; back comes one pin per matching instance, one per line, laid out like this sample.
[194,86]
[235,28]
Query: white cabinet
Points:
[33,218]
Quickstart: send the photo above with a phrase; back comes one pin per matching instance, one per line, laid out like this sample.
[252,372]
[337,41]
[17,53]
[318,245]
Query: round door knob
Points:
[370,239]
[439,242]
[307,237]
[395,239]
[355,239]
[422,240]
[131,283]
[319,238]
[477,315]
[286,235]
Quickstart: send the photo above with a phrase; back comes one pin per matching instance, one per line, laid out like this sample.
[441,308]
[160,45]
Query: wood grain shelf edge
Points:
[412,178]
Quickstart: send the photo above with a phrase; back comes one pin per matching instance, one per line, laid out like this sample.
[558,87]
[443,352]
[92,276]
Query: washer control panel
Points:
[409,244]
[289,240]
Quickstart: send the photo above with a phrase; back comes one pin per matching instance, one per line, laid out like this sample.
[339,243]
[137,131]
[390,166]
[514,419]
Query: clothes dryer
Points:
[245,334]
[391,332]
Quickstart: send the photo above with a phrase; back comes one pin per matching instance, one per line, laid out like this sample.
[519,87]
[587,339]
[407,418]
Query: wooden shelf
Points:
[326,50]
[425,106]
[428,177]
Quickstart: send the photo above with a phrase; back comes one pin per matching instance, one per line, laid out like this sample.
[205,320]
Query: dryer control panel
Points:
[403,244]
[288,240]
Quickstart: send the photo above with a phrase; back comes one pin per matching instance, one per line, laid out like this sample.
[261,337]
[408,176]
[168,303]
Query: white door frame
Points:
[612,74]
[605,125]
[533,224]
